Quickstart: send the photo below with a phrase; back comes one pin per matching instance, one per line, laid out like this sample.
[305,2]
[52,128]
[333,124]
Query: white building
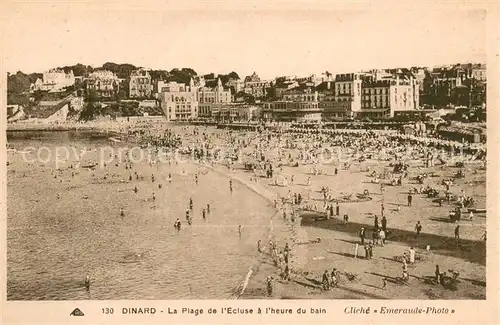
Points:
[54,80]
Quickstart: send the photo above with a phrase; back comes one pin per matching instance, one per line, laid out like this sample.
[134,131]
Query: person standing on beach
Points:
[337,209]
[269,286]
[382,209]
[384,223]
[169,178]
[375,222]
[191,204]
[382,237]
[412,255]
[362,235]
[410,199]
[208,208]
[259,249]
[418,228]
[203,214]
[122,214]
[231,185]
[239,230]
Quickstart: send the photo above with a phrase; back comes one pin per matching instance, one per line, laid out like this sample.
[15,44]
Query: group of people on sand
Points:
[268,152]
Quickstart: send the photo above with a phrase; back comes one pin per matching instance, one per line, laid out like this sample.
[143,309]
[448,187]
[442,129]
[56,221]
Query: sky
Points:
[213,37]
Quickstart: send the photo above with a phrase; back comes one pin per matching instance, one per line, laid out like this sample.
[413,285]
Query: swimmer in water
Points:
[87,282]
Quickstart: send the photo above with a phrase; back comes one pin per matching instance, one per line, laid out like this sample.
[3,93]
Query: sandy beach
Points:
[92,204]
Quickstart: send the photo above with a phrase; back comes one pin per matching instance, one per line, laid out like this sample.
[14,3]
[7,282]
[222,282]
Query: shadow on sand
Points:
[470,250]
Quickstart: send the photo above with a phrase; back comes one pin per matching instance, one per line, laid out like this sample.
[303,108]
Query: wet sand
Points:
[54,242]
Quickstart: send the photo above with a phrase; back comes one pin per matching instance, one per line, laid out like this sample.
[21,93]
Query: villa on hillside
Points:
[54,80]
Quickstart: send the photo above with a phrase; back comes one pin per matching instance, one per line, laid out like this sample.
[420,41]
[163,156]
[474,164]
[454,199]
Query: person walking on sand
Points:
[231,185]
[384,283]
[203,214]
[375,222]
[337,209]
[169,178]
[457,232]
[382,209]
[410,199]
[122,214]
[239,230]
[418,228]
[208,208]
[437,273]
[259,249]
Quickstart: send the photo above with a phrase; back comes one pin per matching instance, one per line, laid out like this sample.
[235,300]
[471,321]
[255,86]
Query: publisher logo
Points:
[77,312]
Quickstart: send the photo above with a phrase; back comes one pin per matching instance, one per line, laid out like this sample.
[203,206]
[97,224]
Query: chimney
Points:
[328,84]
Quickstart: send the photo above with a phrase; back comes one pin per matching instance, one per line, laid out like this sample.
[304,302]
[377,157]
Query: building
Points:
[348,90]
[382,98]
[140,85]
[296,106]
[181,102]
[54,80]
[216,95]
[178,101]
[104,82]
[236,84]
[256,87]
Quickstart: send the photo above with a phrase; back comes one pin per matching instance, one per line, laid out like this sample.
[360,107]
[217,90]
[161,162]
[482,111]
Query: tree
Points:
[92,107]
[18,85]
[78,69]
[233,75]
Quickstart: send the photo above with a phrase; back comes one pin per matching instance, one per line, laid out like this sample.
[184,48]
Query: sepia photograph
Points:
[256,154]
